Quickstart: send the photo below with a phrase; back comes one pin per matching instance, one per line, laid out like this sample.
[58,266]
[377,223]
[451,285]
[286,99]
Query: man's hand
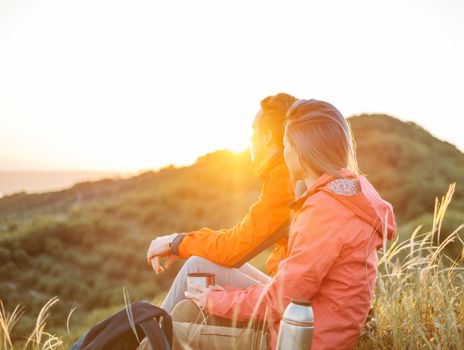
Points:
[201,297]
[160,247]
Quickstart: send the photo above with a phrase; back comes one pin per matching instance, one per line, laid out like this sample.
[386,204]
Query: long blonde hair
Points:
[322,136]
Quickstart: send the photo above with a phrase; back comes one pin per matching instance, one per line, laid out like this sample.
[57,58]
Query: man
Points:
[225,252]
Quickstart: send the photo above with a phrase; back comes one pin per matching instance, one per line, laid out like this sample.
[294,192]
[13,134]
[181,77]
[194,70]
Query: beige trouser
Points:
[184,310]
[187,311]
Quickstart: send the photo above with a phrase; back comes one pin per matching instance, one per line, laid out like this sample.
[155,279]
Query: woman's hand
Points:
[201,297]
[160,247]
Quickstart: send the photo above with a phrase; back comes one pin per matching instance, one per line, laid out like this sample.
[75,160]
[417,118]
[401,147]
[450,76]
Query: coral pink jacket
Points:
[339,225]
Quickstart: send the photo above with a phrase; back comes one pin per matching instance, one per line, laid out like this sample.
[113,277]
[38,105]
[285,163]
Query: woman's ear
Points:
[300,188]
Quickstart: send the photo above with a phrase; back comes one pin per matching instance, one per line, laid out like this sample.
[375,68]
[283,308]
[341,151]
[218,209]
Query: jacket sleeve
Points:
[315,244]
[229,247]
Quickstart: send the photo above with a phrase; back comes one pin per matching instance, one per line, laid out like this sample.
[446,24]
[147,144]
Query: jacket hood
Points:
[357,194]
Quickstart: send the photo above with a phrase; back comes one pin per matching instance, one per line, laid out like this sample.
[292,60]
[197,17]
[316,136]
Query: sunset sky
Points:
[131,85]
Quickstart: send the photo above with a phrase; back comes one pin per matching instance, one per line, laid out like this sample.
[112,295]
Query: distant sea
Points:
[34,182]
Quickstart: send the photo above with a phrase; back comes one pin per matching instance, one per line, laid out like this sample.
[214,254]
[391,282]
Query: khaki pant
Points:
[194,330]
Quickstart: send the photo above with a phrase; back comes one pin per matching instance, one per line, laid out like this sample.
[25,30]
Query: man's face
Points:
[260,141]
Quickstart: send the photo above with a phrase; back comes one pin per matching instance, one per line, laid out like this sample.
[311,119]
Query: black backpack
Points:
[116,333]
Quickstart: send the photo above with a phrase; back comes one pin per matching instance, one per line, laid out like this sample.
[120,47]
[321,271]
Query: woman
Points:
[225,252]
[339,223]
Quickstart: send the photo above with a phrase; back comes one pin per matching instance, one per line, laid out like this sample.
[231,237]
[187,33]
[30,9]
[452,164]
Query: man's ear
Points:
[268,138]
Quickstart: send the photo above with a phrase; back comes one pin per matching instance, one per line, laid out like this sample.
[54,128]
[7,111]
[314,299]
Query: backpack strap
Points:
[279,233]
[160,338]
[155,335]
[115,332]
[166,326]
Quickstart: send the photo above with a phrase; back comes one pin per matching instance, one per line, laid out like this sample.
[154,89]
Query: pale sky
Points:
[131,85]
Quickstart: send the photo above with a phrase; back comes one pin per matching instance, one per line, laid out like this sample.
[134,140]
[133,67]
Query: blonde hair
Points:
[322,137]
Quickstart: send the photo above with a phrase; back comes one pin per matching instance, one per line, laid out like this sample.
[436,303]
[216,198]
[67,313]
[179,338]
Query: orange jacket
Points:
[266,222]
[332,261]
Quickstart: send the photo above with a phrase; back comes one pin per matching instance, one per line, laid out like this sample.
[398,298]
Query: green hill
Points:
[84,243]
[407,164]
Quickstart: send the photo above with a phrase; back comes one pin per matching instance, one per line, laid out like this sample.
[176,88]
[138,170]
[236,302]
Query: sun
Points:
[238,148]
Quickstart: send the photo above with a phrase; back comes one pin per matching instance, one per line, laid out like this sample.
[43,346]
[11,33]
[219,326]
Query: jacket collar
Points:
[323,180]
[271,163]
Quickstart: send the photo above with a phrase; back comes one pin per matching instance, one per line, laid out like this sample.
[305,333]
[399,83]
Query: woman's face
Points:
[292,160]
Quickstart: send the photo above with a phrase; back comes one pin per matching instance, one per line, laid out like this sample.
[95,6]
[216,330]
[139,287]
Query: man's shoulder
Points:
[277,182]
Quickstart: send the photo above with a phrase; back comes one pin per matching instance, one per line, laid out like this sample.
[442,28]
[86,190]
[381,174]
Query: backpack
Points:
[116,333]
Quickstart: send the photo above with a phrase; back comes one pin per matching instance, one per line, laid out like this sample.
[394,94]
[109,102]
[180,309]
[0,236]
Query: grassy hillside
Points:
[408,164]
[85,243]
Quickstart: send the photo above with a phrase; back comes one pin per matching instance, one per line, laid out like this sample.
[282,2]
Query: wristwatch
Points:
[174,244]
[170,243]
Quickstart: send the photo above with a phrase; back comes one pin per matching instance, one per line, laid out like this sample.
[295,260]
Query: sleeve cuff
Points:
[211,302]
[175,243]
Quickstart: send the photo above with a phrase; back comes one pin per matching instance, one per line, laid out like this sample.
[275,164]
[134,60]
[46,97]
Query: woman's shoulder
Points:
[322,215]
[328,195]
[323,205]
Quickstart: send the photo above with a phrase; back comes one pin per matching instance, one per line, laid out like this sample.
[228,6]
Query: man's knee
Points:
[195,263]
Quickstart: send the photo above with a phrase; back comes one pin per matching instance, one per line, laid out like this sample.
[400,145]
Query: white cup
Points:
[199,279]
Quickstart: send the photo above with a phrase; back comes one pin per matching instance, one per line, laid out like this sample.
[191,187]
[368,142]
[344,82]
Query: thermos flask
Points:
[297,326]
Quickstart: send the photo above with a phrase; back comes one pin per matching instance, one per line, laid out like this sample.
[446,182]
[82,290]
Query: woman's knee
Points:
[186,311]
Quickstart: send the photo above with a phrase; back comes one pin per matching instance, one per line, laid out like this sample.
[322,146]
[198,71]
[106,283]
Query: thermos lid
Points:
[299,312]
[302,302]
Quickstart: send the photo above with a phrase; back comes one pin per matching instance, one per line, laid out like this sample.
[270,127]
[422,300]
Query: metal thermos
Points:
[297,326]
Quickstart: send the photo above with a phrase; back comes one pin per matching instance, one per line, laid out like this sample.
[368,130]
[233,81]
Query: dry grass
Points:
[418,301]
[39,337]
